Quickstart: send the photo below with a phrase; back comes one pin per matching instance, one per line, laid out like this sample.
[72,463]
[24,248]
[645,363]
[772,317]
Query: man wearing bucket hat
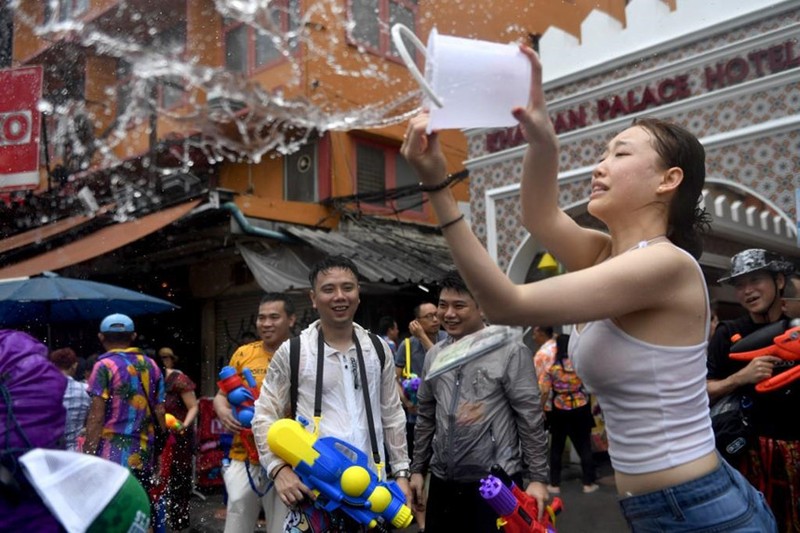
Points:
[759,278]
[127,390]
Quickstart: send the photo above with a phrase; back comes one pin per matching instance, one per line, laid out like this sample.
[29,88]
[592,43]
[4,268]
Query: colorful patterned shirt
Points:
[257,359]
[76,402]
[542,361]
[567,387]
[129,382]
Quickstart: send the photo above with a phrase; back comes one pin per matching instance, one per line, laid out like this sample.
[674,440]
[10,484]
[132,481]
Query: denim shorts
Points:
[721,501]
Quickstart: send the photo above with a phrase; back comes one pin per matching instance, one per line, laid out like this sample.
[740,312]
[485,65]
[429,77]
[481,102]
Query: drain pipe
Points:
[252,230]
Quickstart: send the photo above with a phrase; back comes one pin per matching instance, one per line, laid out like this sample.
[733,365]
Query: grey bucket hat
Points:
[756,259]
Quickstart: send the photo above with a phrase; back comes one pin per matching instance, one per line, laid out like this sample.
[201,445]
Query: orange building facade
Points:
[285,122]
[351,35]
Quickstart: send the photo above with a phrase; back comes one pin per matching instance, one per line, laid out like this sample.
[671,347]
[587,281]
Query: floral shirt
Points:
[542,361]
[567,387]
[125,379]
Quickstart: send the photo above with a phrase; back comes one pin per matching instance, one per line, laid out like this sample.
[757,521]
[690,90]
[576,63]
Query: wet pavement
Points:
[597,512]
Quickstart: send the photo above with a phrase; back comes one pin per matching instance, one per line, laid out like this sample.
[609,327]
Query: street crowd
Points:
[640,341]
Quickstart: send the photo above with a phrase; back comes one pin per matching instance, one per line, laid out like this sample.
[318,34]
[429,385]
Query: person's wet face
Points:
[459,313]
[335,296]
[274,325]
[429,319]
[628,174]
[757,292]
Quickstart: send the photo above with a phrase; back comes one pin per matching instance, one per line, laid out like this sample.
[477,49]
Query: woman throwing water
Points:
[639,298]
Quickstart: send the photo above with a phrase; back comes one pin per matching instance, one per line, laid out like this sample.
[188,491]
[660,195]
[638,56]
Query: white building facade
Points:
[728,70]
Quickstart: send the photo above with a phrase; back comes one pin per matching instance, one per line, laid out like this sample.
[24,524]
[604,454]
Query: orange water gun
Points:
[781,339]
[173,424]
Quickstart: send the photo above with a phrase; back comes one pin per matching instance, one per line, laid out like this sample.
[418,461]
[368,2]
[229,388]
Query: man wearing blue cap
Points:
[127,390]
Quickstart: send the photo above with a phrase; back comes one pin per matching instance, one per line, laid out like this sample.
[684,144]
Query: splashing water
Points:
[322,81]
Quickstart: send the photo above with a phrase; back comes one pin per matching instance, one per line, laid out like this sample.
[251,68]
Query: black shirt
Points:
[775,414]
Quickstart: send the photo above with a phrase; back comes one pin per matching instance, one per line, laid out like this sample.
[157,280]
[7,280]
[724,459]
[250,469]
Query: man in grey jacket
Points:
[484,412]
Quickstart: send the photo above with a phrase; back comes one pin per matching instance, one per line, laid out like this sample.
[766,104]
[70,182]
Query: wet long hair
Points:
[687,222]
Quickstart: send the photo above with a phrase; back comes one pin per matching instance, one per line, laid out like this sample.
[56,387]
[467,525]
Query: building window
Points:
[171,91]
[379,168]
[171,43]
[300,175]
[370,169]
[373,20]
[63,10]
[405,176]
[248,49]
[124,85]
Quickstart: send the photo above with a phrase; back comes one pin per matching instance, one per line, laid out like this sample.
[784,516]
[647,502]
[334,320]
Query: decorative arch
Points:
[732,219]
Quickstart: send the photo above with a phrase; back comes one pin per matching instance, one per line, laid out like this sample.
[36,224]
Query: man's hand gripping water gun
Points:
[517,510]
[339,475]
[241,395]
[782,340]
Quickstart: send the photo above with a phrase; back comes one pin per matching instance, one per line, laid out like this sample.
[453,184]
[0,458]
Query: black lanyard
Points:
[376,456]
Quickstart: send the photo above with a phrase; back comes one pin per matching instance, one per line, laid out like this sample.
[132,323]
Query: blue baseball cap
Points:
[116,323]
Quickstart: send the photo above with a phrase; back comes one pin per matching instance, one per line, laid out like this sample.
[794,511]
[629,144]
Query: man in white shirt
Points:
[335,295]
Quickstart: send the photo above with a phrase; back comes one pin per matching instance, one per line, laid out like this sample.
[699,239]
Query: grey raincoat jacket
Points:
[484,412]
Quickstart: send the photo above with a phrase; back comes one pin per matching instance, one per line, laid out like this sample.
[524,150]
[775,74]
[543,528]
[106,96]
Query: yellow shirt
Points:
[256,358]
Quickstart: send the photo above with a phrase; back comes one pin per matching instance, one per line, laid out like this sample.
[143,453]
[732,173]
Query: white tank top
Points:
[653,398]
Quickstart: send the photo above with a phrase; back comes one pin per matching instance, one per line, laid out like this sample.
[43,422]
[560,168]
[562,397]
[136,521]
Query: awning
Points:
[279,269]
[45,232]
[98,243]
[385,252]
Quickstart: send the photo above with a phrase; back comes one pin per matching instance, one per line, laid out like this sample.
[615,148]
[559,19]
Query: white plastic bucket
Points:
[468,83]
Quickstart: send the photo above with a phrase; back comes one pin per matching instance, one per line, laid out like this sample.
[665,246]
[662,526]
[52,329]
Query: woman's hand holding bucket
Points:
[423,152]
[534,119]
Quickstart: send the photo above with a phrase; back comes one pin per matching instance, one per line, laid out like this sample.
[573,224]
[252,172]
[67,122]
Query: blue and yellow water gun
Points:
[339,474]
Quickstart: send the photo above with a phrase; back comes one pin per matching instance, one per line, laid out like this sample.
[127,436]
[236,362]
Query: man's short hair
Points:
[452,280]
[118,337]
[288,304]
[418,308]
[547,330]
[331,262]
[385,324]
[63,358]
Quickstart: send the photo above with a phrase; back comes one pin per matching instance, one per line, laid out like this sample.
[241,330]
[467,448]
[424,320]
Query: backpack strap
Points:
[294,370]
[294,367]
[376,342]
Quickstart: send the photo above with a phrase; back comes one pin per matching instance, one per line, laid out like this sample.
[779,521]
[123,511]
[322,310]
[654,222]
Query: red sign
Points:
[20,124]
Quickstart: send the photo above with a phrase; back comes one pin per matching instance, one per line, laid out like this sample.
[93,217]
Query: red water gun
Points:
[781,339]
[516,509]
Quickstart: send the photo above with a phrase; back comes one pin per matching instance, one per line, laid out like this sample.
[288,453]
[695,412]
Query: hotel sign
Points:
[756,64]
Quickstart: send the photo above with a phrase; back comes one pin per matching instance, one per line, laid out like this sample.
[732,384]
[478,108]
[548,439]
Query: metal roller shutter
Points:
[236,321]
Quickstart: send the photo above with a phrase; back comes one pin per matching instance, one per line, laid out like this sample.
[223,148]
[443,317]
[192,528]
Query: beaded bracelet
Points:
[459,218]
